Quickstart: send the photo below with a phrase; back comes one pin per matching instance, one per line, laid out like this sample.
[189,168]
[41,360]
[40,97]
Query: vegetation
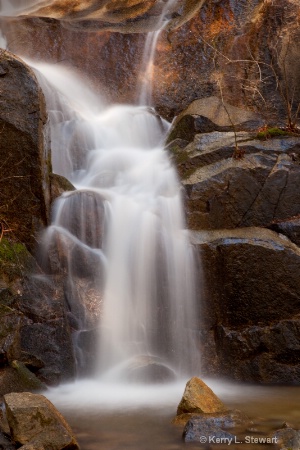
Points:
[13,256]
[268,133]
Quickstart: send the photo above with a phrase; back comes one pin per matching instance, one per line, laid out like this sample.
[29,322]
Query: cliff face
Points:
[246,52]
[24,188]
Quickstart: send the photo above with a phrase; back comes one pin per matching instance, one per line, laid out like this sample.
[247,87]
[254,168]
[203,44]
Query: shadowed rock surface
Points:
[24,187]
[250,322]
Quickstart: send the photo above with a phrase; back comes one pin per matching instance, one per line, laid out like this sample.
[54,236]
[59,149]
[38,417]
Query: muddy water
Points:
[139,418]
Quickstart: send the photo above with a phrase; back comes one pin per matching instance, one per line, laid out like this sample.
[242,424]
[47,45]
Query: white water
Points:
[143,277]
[3,41]
[147,70]
[15,7]
[120,238]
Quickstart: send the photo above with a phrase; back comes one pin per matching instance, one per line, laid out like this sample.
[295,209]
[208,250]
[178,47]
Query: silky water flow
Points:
[119,238]
[130,265]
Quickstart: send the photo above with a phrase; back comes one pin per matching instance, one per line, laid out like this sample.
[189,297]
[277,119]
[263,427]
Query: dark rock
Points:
[224,192]
[287,438]
[24,183]
[6,443]
[213,426]
[148,369]
[251,324]
[44,338]
[206,434]
[59,185]
[290,228]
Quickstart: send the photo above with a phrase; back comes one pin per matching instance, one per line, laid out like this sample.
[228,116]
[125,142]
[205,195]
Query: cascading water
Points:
[120,237]
[13,7]
[147,71]
[143,267]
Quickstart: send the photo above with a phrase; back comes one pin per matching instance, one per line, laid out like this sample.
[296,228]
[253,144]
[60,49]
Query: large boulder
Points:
[24,188]
[33,420]
[224,190]
[250,318]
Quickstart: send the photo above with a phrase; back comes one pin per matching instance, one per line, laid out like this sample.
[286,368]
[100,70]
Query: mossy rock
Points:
[13,259]
[28,378]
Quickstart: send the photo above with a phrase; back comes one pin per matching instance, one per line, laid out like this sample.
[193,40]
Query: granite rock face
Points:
[24,181]
[239,185]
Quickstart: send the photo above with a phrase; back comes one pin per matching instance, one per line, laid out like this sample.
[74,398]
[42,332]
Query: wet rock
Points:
[207,434]
[199,398]
[24,187]
[44,339]
[59,185]
[251,326]
[33,420]
[213,427]
[149,369]
[287,438]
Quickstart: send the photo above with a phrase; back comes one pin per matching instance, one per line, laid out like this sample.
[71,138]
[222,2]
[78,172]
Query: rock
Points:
[207,434]
[211,114]
[199,398]
[213,426]
[44,338]
[5,442]
[258,189]
[290,228]
[33,420]
[24,187]
[250,320]
[28,377]
[148,369]
[227,49]
[287,438]
[59,185]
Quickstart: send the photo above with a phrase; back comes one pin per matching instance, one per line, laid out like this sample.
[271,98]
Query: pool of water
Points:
[107,416]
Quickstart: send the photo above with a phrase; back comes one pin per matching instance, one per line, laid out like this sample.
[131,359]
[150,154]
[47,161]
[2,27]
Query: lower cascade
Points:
[120,236]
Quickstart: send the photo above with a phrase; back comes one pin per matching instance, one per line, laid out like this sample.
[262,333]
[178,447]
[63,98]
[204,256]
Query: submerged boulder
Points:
[35,422]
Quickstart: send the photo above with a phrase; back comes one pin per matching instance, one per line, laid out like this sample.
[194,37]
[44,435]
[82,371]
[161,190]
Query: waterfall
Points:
[147,70]
[14,7]
[119,239]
